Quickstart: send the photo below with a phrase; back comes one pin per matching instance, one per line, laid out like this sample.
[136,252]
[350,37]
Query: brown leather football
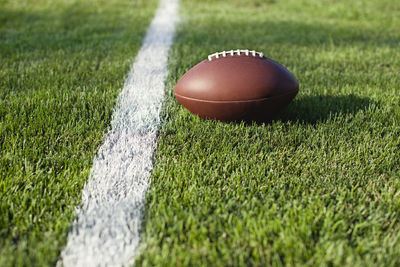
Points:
[236,85]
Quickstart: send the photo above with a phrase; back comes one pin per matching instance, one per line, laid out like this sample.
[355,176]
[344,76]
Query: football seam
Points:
[235,101]
[237,51]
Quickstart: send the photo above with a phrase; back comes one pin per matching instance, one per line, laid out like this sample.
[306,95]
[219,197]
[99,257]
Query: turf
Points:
[317,186]
[62,66]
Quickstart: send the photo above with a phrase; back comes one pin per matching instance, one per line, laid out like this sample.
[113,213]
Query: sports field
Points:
[62,65]
[319,185]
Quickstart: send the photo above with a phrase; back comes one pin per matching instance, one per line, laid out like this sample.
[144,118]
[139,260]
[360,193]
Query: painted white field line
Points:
[107,229]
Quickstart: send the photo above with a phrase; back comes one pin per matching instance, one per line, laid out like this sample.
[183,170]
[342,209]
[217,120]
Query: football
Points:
[236,85]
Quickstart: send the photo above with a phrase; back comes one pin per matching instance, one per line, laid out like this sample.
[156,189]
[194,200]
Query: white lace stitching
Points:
[237,51]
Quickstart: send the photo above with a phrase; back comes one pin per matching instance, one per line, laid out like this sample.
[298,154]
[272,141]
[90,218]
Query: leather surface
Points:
[233,78]
[236,88]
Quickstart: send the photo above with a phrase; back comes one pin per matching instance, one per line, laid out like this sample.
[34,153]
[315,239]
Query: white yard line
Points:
[106,231]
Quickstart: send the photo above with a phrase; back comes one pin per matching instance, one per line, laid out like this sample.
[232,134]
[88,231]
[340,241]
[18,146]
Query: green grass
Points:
[318,186]
[62,65]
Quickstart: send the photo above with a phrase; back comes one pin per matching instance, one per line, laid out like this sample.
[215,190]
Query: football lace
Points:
[237,52]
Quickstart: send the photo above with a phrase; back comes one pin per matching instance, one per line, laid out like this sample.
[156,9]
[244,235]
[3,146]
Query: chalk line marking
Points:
[106,231]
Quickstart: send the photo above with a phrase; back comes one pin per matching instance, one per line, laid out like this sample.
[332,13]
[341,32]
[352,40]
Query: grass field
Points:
[318,186]
[62,65]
